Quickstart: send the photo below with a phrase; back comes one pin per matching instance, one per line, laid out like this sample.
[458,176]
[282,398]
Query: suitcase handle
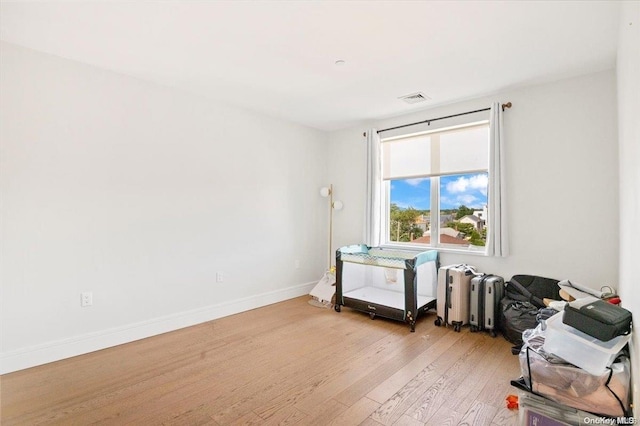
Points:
[447,298]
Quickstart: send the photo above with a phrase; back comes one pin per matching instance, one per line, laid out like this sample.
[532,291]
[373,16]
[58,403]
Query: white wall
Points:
[562,173]
[628,70]
[140,194]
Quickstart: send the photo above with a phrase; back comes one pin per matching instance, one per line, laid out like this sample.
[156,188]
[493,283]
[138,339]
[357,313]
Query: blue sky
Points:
[469,189]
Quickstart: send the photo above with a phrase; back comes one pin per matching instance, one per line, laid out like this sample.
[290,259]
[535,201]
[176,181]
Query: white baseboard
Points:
[54,351]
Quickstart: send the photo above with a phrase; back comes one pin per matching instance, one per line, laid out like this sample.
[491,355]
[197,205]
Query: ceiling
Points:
[278,57]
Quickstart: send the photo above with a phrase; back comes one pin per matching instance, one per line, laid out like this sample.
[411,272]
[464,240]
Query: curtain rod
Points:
[507,105]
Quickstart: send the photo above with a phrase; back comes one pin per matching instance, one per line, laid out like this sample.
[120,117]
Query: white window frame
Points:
[434,202]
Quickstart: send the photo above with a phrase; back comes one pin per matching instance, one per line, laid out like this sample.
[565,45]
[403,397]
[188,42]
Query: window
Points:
[435,187]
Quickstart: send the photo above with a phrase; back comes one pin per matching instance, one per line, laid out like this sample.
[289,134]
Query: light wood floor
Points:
[288,363]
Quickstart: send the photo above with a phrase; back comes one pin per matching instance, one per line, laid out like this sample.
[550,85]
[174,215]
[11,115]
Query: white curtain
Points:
[497,239]
[373,219]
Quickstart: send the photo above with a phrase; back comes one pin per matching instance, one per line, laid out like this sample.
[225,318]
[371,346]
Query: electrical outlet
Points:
[86,299]
[219,277]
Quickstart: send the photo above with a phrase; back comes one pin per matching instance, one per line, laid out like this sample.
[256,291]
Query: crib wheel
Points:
[438,322]
[372,315]
[336,307]
[412,327]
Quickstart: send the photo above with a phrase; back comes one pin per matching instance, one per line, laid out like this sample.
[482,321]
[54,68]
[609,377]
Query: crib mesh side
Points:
[378,257]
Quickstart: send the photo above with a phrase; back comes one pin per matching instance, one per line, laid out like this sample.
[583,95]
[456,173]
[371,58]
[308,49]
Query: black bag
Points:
[517,317]
[531,288]
[597,318]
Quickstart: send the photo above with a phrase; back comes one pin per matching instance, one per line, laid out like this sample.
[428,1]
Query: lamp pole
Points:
[330,223]
[328,192]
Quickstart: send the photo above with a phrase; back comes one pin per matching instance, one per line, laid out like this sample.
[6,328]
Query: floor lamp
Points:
[337,205]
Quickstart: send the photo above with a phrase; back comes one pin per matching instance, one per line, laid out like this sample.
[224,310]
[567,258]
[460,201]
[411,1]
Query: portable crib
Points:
[394,284]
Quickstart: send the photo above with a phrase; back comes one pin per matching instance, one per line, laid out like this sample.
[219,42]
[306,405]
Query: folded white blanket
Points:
[578,291]
[324,290]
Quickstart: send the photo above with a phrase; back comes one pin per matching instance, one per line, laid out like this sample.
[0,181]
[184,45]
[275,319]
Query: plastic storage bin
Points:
[535,411]
[580,349]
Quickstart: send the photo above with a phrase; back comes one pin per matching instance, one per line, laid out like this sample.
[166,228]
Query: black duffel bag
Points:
[517,317]
[523,300]
[533,289]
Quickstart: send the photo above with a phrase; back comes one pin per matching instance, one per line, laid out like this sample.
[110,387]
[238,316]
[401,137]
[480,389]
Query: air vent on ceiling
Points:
[414,98]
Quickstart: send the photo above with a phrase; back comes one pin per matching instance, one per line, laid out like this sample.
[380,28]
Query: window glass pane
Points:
[409,210]
[455,161]
[463,209]
[406,158]
[464,150]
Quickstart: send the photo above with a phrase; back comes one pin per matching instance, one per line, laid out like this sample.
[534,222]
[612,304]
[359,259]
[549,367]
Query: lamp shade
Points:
[325,192]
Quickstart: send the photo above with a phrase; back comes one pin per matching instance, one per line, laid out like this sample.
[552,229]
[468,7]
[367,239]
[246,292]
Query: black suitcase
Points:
[597,318]
[486,293]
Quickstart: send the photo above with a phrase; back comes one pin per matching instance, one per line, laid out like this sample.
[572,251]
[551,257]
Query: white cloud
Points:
[467,200]
[459,185]
[459,200]
[416,181]
[462,184]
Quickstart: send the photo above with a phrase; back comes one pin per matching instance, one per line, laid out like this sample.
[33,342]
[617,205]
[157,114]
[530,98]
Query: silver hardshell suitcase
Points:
[453,295]
[486,293]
